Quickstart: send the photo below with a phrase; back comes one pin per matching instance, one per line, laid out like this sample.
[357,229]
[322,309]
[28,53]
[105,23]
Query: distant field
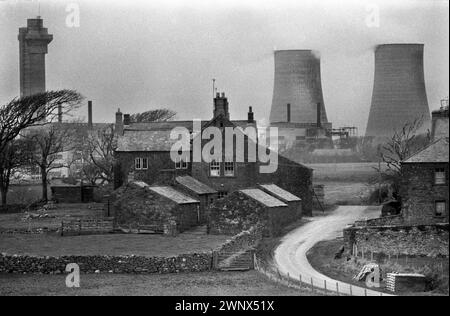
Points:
[346,193]
[249,283]
[360,172]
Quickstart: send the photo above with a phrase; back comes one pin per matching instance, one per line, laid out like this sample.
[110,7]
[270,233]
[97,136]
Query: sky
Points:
[140,55]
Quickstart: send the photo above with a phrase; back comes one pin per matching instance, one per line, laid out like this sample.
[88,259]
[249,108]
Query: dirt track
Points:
[290,256]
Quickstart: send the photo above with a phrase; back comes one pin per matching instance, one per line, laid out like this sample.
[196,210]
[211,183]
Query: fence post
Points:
[351,290]
[365,292]
[62,228]
[325,285]
[337,288]
[288,279]
[79,227]
[312,285]
[300,279]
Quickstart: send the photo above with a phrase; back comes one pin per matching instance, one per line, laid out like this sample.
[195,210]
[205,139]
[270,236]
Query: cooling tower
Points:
[399,94]
[297,88]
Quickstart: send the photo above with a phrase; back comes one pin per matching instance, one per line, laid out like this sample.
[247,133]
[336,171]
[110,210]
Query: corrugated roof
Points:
[172,194]
[435,152]
[263,198]
[195,185]
[280,193]
[145,141]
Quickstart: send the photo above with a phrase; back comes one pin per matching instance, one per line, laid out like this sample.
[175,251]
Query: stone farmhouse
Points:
[143,154]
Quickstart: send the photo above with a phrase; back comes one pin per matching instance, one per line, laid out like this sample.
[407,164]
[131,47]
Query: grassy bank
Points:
[321,257]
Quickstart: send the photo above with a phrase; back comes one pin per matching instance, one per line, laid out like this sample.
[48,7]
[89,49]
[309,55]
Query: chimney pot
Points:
[126,119]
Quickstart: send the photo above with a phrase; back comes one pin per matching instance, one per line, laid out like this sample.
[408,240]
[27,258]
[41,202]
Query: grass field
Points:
[63,211]
[346,172]
[249,283]
[113,244]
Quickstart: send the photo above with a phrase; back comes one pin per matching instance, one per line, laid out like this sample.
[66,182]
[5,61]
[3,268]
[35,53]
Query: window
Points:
[222,194]
[181,164]
[440,208]
[229,169]
[439,176]
[214,169]
[137,163]
[144,163]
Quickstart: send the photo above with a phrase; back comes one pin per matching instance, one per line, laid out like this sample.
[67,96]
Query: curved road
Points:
[290,256]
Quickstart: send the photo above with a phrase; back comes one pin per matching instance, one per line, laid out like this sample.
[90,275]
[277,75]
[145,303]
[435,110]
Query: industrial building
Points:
[33,45]
[399,94]
[298,108]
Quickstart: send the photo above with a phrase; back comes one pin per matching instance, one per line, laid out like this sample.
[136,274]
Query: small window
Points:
[214,169]
[144,163]
[439,176]
[222,194]
[137,164]
[229,169]
[180,164]
[440,208]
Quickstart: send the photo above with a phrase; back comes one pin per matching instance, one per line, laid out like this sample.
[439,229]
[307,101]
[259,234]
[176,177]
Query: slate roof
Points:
[172,194]
[263,198]
[145,141]
[195,185]
[168,125]
[435,152]
[280,193]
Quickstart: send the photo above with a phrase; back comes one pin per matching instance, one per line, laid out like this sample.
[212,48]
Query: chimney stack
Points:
[60,113]
[126,119]
[319,121]
[288,112]
[90,115]
[221,105]
[250,117]
[119,123]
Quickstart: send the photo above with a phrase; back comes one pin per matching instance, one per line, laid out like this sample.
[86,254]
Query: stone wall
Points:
[419,193]
[234,214]
[382,221]
[246,239]
[195,262]
[418,240]
[135,206]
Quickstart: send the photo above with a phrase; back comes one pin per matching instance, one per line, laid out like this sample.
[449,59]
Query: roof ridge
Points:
[424,148]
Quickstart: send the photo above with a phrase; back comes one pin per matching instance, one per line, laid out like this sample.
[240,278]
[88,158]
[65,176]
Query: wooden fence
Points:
[87,226]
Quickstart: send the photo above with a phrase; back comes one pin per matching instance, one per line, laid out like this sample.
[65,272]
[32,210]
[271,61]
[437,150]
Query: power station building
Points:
[298,109]
[33,43]
[399,94]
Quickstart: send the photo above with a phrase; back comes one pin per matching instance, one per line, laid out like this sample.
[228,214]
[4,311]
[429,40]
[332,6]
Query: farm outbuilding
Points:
[294,202]
[245,208]
[205,194]
[139,206]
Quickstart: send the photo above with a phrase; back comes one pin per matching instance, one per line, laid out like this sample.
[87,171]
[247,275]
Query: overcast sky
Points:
[139,55]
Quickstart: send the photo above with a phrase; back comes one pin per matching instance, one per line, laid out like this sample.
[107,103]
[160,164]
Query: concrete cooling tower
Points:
[297,88]
[399,94]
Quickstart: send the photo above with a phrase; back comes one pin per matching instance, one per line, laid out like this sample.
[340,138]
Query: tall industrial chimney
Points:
[297,82]
[399,94]
[90,124]
[33,43]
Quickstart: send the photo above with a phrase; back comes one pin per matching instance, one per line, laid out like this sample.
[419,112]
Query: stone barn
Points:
[139,206]
[245,208]
[199,190]
[294,202]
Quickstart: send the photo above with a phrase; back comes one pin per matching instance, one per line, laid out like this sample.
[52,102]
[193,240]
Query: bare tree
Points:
[98,155]
[400,146]
[158,115]
[37,109]
[13,156]
[46,143]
